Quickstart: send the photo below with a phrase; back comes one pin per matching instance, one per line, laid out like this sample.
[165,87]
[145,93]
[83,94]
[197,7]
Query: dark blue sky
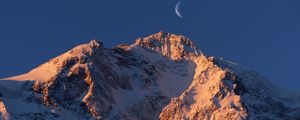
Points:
[263,35]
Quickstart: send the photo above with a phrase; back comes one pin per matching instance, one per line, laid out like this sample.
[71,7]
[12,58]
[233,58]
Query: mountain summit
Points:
[171,45]
[163,76]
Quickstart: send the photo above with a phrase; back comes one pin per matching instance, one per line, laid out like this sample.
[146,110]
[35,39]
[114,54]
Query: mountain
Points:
[163,76]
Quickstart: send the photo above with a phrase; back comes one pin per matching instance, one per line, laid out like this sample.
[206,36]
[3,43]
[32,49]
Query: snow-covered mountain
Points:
[163,76]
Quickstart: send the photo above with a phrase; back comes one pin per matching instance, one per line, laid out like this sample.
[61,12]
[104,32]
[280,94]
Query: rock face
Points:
[213,94]
[163,76]
[4,114]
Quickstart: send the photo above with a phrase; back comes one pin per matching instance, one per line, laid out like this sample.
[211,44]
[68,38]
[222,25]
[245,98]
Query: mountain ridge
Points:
[162,76]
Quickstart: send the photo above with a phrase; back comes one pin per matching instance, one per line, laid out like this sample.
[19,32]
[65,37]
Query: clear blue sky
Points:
[263,35]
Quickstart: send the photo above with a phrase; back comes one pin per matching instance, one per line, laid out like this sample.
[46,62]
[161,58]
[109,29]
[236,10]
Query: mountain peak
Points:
[172,45]
[95,43]
[136,82]
[88,48]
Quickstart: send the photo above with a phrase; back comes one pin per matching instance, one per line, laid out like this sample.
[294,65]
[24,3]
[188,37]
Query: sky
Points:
[262,35]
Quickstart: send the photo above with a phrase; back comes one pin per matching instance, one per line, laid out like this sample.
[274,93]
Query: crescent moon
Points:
[177,9]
